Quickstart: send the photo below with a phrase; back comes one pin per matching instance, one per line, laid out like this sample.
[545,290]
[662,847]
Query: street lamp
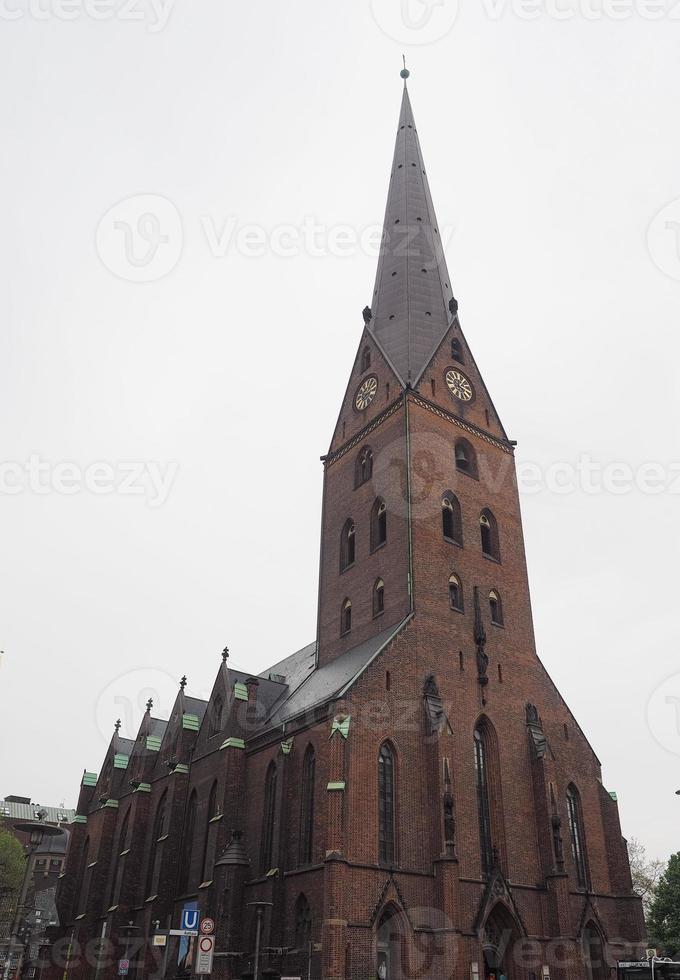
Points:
[260,909]
[37,831]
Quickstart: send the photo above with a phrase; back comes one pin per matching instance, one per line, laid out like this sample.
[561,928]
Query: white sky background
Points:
[550,147]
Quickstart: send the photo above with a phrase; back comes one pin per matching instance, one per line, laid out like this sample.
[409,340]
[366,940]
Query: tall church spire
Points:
[411,302]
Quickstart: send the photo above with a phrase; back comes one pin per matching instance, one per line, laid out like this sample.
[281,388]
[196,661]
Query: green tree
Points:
[645,873]
[12,865]
[664,915]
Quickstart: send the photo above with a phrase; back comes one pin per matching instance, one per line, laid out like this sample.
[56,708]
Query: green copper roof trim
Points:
[240,691]
[287,746]
[341,725]
[153,743]
[89,779]
[143,788]
[181,767]
[336,786]
[190,722]
[613,795]
[120,761]
[233,743]
[80,818]
[112,804]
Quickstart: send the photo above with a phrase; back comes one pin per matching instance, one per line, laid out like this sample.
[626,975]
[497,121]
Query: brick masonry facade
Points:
[212,808]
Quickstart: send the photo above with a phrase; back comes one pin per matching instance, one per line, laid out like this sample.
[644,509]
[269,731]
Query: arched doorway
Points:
[390,946]
[499,938]
[594,953]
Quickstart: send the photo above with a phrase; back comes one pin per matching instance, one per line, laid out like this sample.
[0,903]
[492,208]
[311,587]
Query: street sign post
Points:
[204,956]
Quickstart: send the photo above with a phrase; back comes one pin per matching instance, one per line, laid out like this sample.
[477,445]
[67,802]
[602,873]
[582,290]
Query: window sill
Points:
[347,568]
[500,626]
[378,547]
[458,544]
[377,615]
[492,558]
[344,634]
[456,609]
[473,476]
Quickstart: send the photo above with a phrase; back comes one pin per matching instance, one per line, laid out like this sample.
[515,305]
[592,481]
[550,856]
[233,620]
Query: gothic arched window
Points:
[268,818]
[378,597]
[365,359]
[307,807]
[157,841]
[122,851]
[455,593]
[188,844]
[348,544]
[495,608]
[466,460]
[488,529]
[452,523]
[364,466]
[386,805]
[216,716]
[578,850]
[346,617]
[483,808]
[378,524]
[209,839]
[303,924]
[85,878]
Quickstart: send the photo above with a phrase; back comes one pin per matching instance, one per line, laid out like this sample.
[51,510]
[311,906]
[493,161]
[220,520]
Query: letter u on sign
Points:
[189,919]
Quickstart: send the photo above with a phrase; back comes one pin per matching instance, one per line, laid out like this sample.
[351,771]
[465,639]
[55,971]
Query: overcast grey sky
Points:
[260,135]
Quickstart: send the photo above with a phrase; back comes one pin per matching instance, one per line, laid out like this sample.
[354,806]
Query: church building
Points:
[408,795]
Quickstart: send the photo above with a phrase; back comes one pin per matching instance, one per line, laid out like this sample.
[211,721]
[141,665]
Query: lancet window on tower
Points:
[378,524]
[378,597]
[455,593]
[364,467]
[348,545]
[465,457]
[495,608]
[578,850]
[488,529]
[452,524]
[346,617]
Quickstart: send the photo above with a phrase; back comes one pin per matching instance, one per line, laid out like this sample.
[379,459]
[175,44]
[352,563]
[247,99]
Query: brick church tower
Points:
[408,796]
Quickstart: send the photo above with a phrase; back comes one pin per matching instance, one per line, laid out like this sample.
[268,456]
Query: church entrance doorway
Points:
[390,947]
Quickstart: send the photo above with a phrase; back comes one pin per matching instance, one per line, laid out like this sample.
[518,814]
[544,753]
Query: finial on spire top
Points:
[149,706]
[183,682]
[404,73]
[117,726]
[225,655]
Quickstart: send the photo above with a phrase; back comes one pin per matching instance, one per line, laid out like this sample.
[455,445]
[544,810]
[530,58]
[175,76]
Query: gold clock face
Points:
[459,386]
[366,392]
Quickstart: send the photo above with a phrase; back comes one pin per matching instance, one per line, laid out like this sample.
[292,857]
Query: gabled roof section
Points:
[410,310]
[333,679]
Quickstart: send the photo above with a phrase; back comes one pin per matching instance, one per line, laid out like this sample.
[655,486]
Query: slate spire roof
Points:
[410,303]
